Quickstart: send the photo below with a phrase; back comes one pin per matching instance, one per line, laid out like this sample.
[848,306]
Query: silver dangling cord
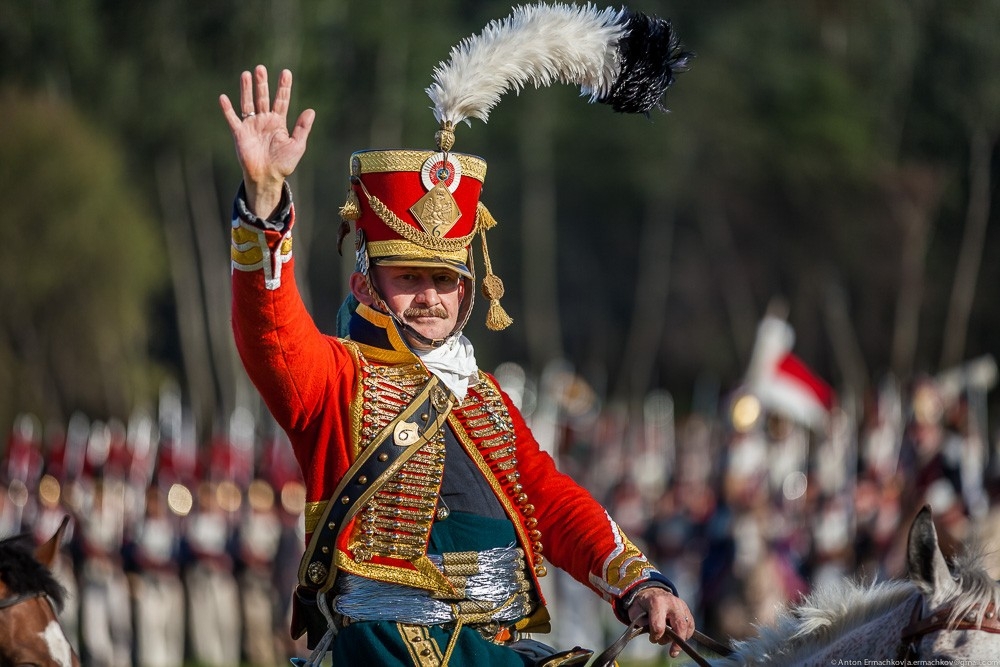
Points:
[316,657]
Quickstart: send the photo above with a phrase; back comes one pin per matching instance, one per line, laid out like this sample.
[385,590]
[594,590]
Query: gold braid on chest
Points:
[486,421]
[397,520]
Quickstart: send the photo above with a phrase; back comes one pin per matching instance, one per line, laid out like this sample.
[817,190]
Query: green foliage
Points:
[793,127]
[81,262]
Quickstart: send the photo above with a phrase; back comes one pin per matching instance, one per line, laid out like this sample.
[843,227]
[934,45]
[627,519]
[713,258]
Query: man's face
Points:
[427,299]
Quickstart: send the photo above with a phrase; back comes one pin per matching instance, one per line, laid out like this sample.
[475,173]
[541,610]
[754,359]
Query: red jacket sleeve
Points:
[306,378]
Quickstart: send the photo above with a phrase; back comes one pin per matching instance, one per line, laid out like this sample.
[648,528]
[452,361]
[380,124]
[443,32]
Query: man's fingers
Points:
[246,94]
[284,94]
[303,125]
[262,97]
[230,114]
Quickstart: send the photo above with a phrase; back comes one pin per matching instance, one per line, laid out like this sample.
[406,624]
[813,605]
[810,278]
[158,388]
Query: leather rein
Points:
[607,657]
[918,628]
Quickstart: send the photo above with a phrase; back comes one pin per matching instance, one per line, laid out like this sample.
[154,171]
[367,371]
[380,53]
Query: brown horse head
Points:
[30,596]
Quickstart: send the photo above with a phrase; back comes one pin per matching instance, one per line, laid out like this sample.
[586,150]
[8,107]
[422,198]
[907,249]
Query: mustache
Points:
[434,311]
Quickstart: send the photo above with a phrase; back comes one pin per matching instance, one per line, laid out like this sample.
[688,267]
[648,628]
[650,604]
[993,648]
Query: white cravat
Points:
[454,363]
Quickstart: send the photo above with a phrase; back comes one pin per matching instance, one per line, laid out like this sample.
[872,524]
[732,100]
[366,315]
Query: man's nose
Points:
[427,293]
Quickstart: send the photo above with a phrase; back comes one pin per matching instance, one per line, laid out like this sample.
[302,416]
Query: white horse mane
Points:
[832,610]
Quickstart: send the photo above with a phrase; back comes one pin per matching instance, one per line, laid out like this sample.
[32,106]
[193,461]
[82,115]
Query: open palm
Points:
[265,149]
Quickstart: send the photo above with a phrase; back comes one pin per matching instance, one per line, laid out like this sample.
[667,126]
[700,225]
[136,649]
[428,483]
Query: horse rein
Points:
[607,657]
[918,628]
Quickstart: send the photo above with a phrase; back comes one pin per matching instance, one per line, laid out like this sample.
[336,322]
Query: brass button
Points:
[522,498]
[537,546]
[540,570]
[531,523]
[362,480]
[344,500]
[325,550]
[383,457]
[528,510]
[535,535]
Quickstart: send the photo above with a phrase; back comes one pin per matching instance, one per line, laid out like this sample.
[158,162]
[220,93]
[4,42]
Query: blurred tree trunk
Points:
[182,251]
[212,251]
[538,235]
[914,195]
[846,348]
[977,217]
[734,287]
[649,312]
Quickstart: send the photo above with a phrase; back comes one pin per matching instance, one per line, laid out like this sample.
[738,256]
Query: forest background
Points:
[834,156]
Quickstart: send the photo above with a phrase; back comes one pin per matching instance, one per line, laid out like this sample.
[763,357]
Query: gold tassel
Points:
[484,219]
[351,210]
[497,318]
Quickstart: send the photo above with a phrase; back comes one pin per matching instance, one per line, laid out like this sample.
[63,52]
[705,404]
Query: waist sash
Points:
[491,586]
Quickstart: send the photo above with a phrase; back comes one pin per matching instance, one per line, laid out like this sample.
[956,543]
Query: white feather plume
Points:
[537,44]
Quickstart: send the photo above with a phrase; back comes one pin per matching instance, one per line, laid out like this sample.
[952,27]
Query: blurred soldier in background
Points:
[157,591]
[105,613]
[258,538]
[214,624]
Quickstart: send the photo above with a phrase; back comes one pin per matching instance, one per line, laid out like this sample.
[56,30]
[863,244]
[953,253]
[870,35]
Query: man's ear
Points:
[359,288]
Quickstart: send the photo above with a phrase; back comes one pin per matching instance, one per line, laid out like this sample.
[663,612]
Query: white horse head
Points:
[936,614]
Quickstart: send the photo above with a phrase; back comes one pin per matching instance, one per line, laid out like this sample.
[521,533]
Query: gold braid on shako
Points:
[618,57]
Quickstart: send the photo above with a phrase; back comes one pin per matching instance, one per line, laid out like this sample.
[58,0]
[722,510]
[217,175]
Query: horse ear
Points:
[925,563]
[46,553]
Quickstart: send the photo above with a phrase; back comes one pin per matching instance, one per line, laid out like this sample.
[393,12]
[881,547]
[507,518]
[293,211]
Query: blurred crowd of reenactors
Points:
[186,552]
[180,552]
[751,507]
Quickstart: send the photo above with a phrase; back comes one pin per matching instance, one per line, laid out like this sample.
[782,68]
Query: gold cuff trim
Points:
[250,252]
[369,162]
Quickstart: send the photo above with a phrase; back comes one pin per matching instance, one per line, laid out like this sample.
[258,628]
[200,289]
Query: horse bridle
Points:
[918,628]
[15,600]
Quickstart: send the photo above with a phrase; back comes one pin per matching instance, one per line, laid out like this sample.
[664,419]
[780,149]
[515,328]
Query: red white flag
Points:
[782,382]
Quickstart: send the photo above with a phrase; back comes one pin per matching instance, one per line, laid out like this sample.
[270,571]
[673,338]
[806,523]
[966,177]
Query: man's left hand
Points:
[663,608]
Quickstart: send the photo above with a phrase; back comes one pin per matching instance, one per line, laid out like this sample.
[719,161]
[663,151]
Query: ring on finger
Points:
[247,114]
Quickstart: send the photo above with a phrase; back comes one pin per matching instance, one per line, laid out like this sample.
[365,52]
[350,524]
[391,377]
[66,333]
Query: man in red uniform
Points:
[429,500]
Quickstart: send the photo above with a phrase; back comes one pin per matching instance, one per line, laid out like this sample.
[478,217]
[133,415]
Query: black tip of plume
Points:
[651,57]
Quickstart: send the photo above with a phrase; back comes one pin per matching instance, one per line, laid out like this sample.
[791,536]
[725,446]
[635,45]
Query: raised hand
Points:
[267,152]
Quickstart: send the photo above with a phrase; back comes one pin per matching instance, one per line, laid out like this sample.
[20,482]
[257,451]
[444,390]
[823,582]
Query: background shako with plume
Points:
[422,207]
